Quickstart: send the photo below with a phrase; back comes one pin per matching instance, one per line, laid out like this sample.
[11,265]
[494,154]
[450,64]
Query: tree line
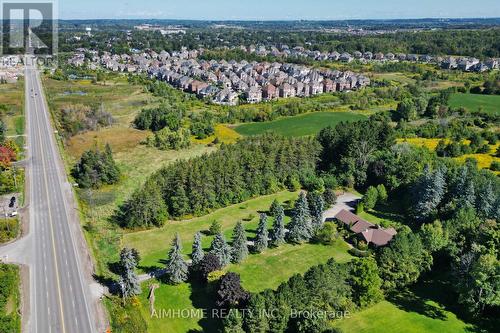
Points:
[252,167]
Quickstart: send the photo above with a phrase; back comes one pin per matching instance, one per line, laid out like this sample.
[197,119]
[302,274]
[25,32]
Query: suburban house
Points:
[370,233]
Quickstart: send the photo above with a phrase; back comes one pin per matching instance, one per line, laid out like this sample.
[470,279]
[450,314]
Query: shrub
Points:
[495,166]
[360,207]
[327,234]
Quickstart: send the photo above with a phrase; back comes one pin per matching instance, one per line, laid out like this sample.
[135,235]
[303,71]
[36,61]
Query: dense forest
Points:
[235,173]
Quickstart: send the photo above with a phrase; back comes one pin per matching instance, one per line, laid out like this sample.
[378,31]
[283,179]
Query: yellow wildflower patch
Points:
[223,133]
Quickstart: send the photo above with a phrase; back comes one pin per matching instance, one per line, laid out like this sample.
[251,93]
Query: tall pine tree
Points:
[129,281]
[429,193]
[221,249]
[261,239]
[197,254]
[177,268]
[240,248]
[485,201]
[316,208]
[300,228]
[278,231]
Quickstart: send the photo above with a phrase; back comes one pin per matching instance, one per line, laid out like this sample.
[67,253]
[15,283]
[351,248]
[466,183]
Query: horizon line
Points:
[281,20]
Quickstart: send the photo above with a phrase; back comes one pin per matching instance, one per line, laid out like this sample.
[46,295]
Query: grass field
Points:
[10,320]
[154,244]
[474,102]
[302,125]
[428,307]
[12,96]
[122,100]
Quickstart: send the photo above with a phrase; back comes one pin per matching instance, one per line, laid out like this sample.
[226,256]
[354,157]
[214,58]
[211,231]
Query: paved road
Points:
[59,293]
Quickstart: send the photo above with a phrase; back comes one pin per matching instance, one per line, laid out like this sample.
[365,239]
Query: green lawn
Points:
[302,125]
[474,102]
[428,307]
[154,244]
[284,262]
[386,317]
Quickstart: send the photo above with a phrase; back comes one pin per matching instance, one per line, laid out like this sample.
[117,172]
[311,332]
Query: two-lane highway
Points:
[59,293]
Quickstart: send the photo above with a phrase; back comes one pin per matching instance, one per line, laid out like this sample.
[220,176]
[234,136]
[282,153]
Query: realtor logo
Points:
[28,28]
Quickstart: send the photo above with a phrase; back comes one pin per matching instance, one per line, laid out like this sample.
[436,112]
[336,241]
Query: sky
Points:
[276,9]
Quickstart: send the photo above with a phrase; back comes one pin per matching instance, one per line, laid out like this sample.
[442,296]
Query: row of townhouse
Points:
[461,63]
[227,82]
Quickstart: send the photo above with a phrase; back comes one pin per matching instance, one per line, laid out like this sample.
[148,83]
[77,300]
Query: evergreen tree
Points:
[177,268]
[256,321]
[485,201]
[146,208]
[316,208]
[261,243]
[240,248]
[300,228]
[464,191]
[197,253]
[233,322]
[275,207]
[129,281]
[221,249]
[278,231]
[429,193]
[179,202]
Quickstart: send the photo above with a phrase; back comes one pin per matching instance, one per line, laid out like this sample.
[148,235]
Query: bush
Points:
[360,207]
[327,234]
[382,193]
[330,197]
[358,253]
[168,139]
[495,166]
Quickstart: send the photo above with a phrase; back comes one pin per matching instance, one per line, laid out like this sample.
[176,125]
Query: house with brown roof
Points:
[269,92]
[370,233]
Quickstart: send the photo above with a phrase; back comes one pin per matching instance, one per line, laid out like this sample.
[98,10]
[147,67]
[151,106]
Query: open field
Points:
[10,320]
[302,125]
[122,100]
[12,96]
[475,102]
